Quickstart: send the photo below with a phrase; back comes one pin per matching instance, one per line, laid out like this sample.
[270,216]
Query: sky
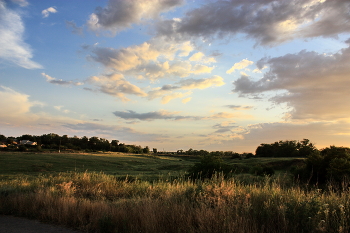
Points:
[177,74]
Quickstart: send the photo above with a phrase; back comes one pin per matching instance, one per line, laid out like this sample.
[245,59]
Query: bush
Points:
[208,166]
[22,148]
[262,171]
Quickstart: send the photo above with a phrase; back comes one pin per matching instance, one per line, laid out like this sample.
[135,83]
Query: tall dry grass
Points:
[95,202]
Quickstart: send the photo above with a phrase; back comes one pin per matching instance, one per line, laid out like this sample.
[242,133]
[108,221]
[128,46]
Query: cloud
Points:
[115,132]
[52,80]
[116,85]
[268,22]
[189,84]
[239,65]
[150,116]
[47,11]
[175,95]
[153,59]
[16,103]
[75,29]
[60,108]
[126,58]
[22,3]
[227,115]
[120,14]
[239,107]
[186,84]
[12,47]
[199,56]
[186,100]
[313,85]
[224,127]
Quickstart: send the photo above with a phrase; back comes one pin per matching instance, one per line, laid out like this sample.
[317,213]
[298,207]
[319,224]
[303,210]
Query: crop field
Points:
[114,192]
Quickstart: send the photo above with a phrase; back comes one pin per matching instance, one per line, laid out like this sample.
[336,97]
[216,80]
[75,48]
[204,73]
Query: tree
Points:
[329,164]
[286,149]
[146,150]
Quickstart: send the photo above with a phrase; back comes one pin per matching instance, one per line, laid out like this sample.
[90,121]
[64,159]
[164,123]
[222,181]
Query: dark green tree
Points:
[329,164]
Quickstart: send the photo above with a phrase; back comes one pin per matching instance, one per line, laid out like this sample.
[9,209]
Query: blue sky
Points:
[176,74]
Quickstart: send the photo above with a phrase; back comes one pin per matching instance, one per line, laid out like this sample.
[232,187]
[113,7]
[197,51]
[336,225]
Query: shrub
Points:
[22,148]
[208,166]
[262,170]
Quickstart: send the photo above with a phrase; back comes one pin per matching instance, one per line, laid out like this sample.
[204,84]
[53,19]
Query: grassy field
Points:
[118,164]
[83,191]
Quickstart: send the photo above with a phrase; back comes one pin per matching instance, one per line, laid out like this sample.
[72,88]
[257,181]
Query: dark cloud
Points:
[314,85]
[74,28]
[62,82]
[238,107]
[266,21]
[149,116]
[222,128]
[120,14]
[52,80]
[169,87]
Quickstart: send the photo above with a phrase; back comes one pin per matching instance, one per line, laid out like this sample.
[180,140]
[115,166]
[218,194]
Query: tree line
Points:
[54,141]
[321,166]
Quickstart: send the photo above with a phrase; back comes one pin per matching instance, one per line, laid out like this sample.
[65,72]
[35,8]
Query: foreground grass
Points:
[97,202]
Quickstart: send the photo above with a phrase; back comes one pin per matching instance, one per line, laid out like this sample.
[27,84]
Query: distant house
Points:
[2,145]
[27,142]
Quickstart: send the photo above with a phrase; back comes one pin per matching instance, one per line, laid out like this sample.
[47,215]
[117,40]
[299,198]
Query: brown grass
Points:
[95,202]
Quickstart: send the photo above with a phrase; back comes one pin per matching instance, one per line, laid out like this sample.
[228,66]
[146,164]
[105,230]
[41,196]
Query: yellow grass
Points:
[96,202]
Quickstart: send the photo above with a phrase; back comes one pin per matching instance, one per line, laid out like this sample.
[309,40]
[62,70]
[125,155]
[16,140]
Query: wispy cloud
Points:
[74,28]
[166,91]
[22,3]
[239,65]
[60,81]
[13,49]
[150,116]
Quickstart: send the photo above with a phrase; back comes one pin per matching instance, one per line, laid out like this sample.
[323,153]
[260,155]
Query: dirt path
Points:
[10,224]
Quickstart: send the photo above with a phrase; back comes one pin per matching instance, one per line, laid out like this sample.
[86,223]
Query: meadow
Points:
[115,192]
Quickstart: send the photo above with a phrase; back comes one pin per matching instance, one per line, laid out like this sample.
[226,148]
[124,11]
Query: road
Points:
[10,224]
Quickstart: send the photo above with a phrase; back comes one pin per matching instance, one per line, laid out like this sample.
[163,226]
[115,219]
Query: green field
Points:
[142,166]
[118,164]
